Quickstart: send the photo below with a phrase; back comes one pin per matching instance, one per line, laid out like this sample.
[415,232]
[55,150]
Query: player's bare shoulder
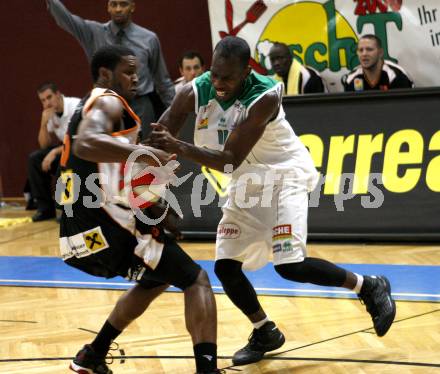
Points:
[272,98]
[104,113]
[267,106]
[184,100]
[109,105]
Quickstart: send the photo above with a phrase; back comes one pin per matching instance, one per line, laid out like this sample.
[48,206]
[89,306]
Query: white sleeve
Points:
[50,125]
[71,104]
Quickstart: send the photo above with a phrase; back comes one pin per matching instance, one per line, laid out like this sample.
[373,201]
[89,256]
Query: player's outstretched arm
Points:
[238,145]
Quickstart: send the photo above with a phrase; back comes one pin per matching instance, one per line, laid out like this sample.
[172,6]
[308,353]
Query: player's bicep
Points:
[183,104]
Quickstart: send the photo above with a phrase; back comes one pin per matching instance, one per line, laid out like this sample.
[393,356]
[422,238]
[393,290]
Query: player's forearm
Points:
[58,150]
[173,124]
[103,148]
[217,160]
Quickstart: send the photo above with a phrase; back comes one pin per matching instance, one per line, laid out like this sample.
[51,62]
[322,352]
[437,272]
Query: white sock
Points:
[258,324]
[359,283]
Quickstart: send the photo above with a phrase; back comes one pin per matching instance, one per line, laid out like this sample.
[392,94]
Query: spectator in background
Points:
[43,163]
[375,73]
[191,65]
[297,78]
[153,74]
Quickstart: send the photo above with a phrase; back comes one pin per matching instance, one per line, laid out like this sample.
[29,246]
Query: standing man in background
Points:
[92,35]
[191,65]
[43,163]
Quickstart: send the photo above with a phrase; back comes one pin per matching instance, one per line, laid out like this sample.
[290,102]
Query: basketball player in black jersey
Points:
[109,240]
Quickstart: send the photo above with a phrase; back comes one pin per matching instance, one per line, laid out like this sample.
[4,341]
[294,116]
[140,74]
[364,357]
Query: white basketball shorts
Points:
[250,230]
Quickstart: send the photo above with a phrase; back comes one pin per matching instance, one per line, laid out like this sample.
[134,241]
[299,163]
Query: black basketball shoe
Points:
[376,295]
[266,338]
[88,362]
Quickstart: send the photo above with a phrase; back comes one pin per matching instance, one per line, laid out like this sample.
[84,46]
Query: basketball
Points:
[140,186]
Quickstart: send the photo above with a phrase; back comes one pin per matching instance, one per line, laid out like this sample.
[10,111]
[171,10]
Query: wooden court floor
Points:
[42,328]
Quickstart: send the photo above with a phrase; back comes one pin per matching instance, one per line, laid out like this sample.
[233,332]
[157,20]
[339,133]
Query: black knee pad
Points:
[294,272]
[227,270]
[237,286]
[313,270]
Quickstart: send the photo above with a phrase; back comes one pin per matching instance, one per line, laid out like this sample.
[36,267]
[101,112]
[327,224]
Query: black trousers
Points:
[41,181]
[144,108]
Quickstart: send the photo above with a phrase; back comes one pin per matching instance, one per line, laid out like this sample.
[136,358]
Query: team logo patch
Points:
[222,123]
[203,124]
[276,248]
[282,232]
[287,246]
[228,231]
[95,240]
[135,273]
[284,247]
[358,84]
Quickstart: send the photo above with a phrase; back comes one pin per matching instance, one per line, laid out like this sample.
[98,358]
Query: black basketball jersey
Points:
[91,191]
[392,76]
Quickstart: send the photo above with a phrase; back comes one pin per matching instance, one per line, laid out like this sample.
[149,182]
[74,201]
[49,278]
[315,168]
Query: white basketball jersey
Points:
[278,149]
[111,173]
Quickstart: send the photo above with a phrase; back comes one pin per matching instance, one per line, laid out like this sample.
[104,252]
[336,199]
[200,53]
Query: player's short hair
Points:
[47,86]
[233,46]
[372,37]
[108,57]
[284,46]
[189,55]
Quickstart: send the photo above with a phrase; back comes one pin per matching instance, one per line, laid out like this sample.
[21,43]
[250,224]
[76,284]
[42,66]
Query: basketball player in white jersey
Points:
[241,125]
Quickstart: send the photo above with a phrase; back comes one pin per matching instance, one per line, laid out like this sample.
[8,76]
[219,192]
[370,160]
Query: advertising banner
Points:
[379,156]
[323,33]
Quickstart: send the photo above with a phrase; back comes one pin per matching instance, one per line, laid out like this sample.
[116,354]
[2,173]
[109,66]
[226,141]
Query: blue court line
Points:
[409,282]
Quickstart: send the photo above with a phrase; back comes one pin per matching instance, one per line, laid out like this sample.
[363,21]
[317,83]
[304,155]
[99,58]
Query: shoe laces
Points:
[253,337]
[367,300]
[109,359]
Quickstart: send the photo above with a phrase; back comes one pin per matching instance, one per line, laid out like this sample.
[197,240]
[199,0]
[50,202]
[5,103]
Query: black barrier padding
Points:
[195,223]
